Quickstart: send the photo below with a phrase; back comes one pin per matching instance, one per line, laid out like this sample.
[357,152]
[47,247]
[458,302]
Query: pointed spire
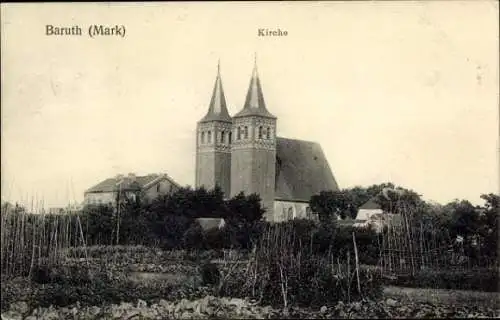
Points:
[217,110]
[254,102]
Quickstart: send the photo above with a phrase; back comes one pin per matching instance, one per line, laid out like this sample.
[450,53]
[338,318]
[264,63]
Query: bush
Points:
[194,237]
[481,279]
[282,271]
[210,274]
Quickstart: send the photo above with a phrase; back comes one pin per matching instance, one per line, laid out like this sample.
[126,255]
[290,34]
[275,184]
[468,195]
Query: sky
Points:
[405,92]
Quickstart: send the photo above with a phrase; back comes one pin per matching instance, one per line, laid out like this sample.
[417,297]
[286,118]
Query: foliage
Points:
[480,279]
[285,271]
[329,204]
[210,274]
[99,224]
[245,208]
[194,237]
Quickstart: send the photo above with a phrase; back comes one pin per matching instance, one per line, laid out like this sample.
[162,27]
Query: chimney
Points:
[132,176]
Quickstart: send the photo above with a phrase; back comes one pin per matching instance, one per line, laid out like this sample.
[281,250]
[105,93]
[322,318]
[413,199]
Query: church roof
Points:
[217,110]
[254,102]
[301,170]
[128,183]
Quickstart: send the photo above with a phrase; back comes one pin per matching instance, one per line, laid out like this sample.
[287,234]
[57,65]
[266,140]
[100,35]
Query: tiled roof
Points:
[370,204]
[128,183]
[301,170]
[217,110]
[254,102]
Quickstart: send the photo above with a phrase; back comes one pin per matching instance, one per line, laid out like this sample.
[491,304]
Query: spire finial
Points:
[218,66]
[255,60]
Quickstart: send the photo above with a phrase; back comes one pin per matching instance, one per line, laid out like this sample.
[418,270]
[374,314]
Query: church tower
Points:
[213,143]
[253,158]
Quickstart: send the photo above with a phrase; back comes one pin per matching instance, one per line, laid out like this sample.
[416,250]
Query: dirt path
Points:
[443,296]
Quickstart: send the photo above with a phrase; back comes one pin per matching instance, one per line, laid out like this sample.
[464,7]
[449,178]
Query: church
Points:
[243,152]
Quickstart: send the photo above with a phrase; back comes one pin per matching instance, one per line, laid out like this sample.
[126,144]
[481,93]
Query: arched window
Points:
[268,133]
[239,134]
[260,132]
[223,137]
[230,137]
[203,137]
[246,132]
[290,214]
[209,136]
[158,187]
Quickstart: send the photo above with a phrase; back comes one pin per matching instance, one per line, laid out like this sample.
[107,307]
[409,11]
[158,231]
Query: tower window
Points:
[239,134]
[268,133]
[260,132]
[223,137]
[158,187]
[209,136]
[230,136]
[203,137]
[246,132]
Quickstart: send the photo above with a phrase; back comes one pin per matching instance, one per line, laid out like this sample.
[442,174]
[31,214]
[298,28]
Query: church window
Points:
[230,136]
[308,212]
[209,136]
[246,132]
[158,187]
[260,132]
[268,133]
[239,133]
[223,137]
[203,137]
[290,213]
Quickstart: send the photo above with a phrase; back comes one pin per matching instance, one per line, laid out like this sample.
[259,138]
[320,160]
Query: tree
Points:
[194,237]
[98,222]
[395,199]
[465,221]
[329,204]
[245,208]
[489,228]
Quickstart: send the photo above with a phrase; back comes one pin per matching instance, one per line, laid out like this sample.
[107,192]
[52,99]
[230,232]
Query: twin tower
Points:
[238,153]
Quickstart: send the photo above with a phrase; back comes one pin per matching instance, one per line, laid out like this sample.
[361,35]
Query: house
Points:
[243,153]
[370,214]
[211,223]
[151,186]
[368,209]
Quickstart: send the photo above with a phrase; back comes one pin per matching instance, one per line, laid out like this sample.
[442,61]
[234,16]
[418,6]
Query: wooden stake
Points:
[357,261]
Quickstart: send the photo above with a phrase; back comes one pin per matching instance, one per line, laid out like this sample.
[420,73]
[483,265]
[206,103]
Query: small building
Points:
[371,214]
[370,208]
[150,186]
[211,223]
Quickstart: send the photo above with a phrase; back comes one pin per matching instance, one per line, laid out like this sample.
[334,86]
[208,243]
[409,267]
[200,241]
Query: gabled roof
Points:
[301,170]
[254,102]
[128,183]
[371,205]
[217,110]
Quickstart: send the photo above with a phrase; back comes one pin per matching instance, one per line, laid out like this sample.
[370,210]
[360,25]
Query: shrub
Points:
[210,274]
[194,237]
[481,279]
[282,271]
